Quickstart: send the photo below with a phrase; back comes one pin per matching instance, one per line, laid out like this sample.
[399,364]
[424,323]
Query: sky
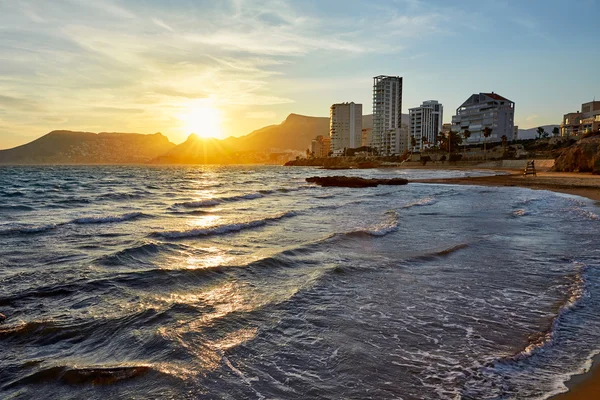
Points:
[233,66]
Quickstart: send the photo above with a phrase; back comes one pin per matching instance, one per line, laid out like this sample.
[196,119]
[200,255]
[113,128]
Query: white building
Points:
[387,114]
[485,110]
[345,127]
[426,122]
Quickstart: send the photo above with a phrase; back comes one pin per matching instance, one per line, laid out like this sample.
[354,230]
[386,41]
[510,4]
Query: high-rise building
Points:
[426,123]
[321,146]
[387,114]
[345,127]
[485,110]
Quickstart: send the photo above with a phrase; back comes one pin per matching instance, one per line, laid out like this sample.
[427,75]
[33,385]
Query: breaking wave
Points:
[223,229]
[108,219]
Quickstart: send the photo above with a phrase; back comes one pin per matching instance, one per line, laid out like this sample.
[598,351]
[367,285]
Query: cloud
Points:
[116,64]
[530,118]
[19,104]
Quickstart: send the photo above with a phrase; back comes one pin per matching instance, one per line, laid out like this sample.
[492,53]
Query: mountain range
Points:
[293,135]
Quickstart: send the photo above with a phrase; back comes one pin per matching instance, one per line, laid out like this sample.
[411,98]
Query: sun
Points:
[203,119]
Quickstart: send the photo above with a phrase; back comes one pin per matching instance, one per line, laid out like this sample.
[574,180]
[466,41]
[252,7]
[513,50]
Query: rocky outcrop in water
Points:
[583,156]
[354,182]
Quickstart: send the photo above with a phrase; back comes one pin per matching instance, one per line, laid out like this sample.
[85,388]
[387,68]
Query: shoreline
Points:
[584,386]
[579,184]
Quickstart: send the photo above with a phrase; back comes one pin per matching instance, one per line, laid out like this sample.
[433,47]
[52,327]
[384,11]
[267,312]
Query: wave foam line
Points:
[426,201]
[27,229]
[219,200]
[544,339]
[223,229]
[108,219]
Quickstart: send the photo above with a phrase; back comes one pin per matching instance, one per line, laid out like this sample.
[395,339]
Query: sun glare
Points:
[203,119]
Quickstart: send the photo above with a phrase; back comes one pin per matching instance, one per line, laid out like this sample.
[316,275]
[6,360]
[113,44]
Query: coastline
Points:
[579,184]
[585,386]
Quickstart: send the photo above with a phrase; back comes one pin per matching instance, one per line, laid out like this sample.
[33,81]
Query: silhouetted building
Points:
[345,127]
[387,114]
[426,123]
[321,146]
[485,110]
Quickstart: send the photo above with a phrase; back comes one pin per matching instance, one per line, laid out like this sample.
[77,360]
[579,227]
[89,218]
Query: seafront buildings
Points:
[485,110]
[387,115]
[426,123]
[588,120]
[345,127]
[321,146]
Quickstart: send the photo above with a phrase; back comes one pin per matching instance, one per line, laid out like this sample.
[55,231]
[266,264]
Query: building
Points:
[345,127]
[588,120]
[426,122]
[485,110]
[321,146]
[367,136]
[387,114]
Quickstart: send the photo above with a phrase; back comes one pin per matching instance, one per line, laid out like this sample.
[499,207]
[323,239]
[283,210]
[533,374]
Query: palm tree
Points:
[540,132]
[487,132]
[466,135]
[504,142]
[555,131]
[413,143]
[424,141]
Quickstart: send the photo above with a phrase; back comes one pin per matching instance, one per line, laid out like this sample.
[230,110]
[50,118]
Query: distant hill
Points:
[531,133]
[294,134]
[67,147]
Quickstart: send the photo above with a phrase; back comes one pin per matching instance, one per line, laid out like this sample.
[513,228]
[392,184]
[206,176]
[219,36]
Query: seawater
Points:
[248,283]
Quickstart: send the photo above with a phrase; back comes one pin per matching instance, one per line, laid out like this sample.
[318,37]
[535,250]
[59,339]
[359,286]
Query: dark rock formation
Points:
[583,156]
[354,182]
[2,318]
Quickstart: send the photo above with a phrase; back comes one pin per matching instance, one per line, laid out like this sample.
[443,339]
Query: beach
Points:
[584,386]
[579,184]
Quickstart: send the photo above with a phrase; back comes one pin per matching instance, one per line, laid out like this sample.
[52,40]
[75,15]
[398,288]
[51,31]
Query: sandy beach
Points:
[580,184]
[585,386]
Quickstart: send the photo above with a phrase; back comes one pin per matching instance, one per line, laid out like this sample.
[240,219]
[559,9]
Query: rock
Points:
[2,318]
[583,156]
[353,182]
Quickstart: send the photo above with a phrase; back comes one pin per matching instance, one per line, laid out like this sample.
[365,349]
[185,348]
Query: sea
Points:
[246,282]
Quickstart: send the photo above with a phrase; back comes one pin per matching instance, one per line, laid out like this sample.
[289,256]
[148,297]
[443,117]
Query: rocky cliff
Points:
[583,156]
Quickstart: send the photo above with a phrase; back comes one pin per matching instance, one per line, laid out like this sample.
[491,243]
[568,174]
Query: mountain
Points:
[67,147]
[531,133]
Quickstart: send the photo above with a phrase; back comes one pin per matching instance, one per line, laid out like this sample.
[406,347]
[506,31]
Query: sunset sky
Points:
[233,66]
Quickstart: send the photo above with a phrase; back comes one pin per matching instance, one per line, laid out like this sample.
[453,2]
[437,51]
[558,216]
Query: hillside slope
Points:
[68,147]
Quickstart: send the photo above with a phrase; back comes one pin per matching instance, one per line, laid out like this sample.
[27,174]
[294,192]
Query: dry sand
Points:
[585,386]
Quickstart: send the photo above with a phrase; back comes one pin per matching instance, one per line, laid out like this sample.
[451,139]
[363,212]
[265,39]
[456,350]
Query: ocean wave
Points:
[74,375]
[519,213]
[541,340]
[223,229]
[219,200]
[198,204]
[27,229]
[108,219]
[388,226]
[127,255]
[122,196]
[15,207]
[426,201]
[15,193]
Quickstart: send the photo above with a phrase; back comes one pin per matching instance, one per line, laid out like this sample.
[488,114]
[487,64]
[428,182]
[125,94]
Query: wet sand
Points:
[585,386]
[586,185]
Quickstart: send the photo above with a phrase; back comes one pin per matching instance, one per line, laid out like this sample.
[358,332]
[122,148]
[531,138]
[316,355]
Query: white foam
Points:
[223,229]
[107,219]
